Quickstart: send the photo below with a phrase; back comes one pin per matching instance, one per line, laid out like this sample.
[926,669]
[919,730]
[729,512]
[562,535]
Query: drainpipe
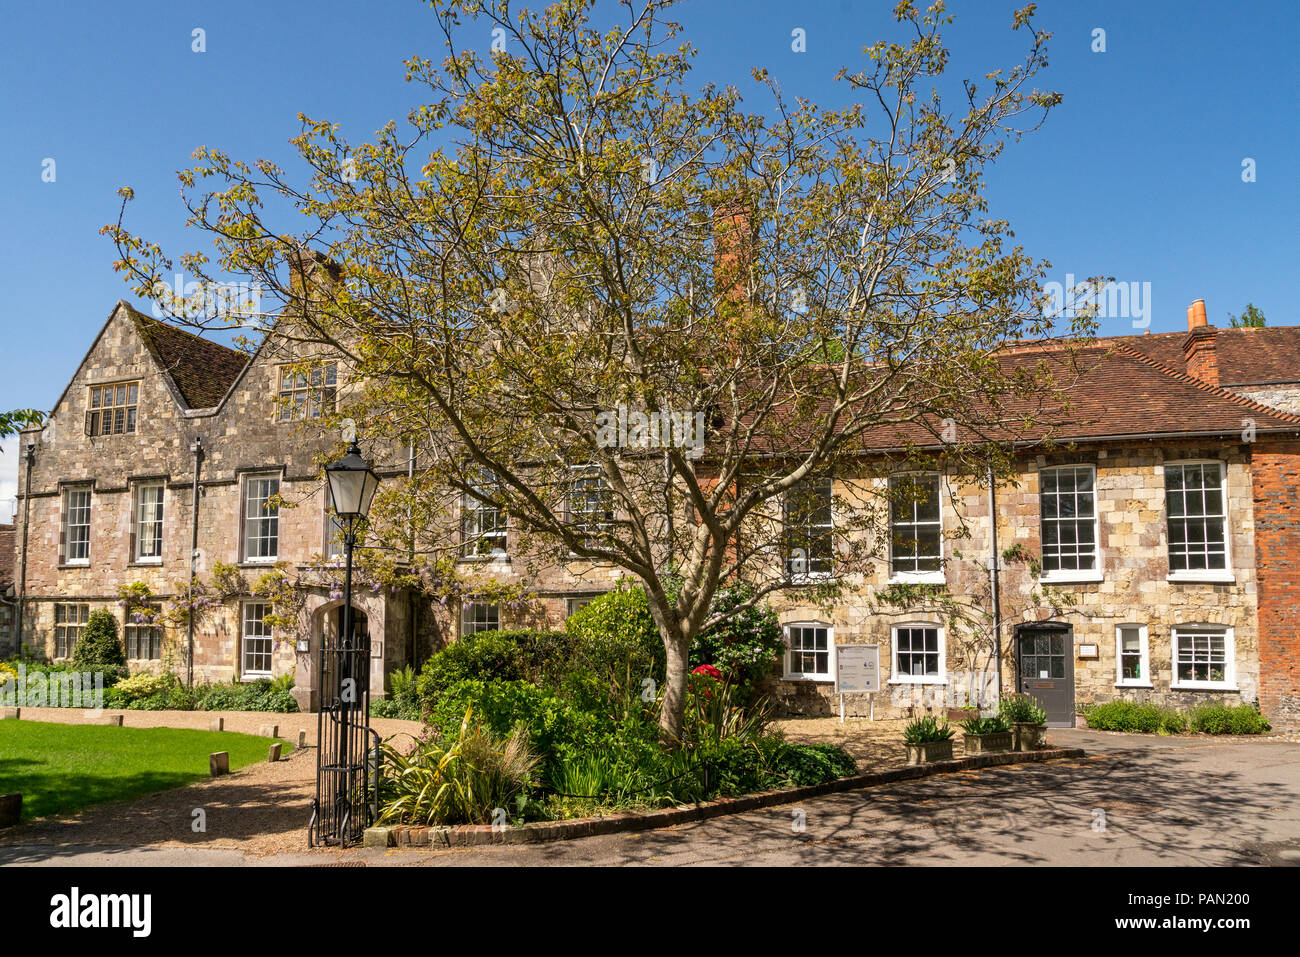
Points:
[197,449]
[30,457]
[994,566]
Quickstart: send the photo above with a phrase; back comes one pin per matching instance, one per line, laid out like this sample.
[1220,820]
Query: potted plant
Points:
[928,740]
[1027,719]
[987,734]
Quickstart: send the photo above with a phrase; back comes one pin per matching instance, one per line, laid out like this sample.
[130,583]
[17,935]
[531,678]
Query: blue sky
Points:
[1138,175]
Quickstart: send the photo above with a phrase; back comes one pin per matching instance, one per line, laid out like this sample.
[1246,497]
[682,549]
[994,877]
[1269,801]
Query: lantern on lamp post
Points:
[341,808]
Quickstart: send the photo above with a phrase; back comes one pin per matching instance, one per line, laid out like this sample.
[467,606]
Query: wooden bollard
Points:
[274,754]
[115,720]
[11,809]
[14,713]
[219,763]
[217,724]
[269,730]
[302,737]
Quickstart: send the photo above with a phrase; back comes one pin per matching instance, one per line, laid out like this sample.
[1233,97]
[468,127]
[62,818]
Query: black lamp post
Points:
[352,485]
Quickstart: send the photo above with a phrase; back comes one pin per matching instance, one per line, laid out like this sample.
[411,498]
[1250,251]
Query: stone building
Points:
[1166,530]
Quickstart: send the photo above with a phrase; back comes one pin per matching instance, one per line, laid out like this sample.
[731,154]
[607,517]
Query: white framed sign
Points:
[857,669]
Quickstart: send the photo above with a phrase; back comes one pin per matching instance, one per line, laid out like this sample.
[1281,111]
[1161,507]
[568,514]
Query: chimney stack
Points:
[1199,348]
[733,248]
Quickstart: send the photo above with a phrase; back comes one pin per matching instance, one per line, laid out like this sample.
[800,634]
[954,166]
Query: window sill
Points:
[811,578]
[85,564]
[249,678]
[502,559]
[1066,578]
[1133,684]
[917,681]
[146,563]
[1205,578]
[820,679]
[258,562]
[926,578]
[1204,686]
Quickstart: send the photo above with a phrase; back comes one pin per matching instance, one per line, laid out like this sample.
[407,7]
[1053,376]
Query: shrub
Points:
[616,638]
[143,685]
[461,779]
[997,724]
[802,764]
[1226,719]
[746,646]
[1021,709]
[926,730]
[1129,716]
[98,647]
[541,657]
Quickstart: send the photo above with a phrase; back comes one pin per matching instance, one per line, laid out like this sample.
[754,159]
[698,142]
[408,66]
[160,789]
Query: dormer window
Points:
[112,409]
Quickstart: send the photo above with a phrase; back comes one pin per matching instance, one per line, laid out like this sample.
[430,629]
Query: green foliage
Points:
[1252,317]
[459,779]
[99,647]
[746,645]
[1226,719]
[403,699]
[541,657]
[997,724]
[1131,717]
[12,422]
[925,729]
[143,685]
[616,638]
[1021,709]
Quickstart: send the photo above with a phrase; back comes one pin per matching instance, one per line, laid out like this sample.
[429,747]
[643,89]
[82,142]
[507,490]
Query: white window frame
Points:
[1189,629]
[1065,575]
[139,522]
[465,624]
[827,574]
[575,603]
[68,559]
[245,500]
[263,634]
[583,473]
[1224,574]
[897,677]
[1144,647]
[471,512]
[790,675]
[937,577]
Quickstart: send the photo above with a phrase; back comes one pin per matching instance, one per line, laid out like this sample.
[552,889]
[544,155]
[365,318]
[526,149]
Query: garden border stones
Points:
[470,835]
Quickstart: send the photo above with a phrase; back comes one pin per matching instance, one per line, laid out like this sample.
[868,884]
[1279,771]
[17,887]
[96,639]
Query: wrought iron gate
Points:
[347,754]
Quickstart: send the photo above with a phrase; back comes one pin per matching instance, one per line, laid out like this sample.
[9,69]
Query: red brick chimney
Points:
[733,248]
[1199,347]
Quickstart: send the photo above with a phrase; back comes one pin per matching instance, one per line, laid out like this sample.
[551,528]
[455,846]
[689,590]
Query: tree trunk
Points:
[671,715]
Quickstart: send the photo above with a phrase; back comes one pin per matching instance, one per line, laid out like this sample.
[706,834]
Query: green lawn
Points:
[59,768]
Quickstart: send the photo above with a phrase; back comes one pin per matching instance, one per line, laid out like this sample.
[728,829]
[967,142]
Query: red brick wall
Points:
[1277,564]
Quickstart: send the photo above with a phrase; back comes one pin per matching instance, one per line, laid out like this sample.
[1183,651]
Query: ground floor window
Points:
[1202,656]
[918,653]
[256,643]
[68,622]
[144,641]
[476,616]
[574,605]
[1131,656]
[808,651]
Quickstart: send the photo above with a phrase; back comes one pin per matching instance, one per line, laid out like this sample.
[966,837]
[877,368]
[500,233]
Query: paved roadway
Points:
[1134,800]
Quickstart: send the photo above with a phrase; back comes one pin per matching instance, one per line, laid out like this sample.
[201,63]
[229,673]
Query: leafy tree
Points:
[12,422]
[565,229]
[1252,317]
[745,644]
[98,646]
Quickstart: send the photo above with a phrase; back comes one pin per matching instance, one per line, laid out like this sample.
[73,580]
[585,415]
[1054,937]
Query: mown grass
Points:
[60,768]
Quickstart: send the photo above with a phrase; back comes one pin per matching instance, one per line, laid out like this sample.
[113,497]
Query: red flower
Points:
[709,670]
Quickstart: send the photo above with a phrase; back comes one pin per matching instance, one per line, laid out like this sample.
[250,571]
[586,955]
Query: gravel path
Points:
[261,809]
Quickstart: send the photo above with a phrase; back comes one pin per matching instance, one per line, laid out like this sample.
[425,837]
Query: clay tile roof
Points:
[202,370]
[1245,356]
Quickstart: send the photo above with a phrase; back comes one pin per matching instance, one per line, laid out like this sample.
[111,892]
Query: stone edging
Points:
[470,835]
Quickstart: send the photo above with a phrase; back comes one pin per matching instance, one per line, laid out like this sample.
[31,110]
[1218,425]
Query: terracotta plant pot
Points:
[929,751]
[1029,737]
[983,743]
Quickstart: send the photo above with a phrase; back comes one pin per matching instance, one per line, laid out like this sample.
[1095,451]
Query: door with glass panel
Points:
[1045,669]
